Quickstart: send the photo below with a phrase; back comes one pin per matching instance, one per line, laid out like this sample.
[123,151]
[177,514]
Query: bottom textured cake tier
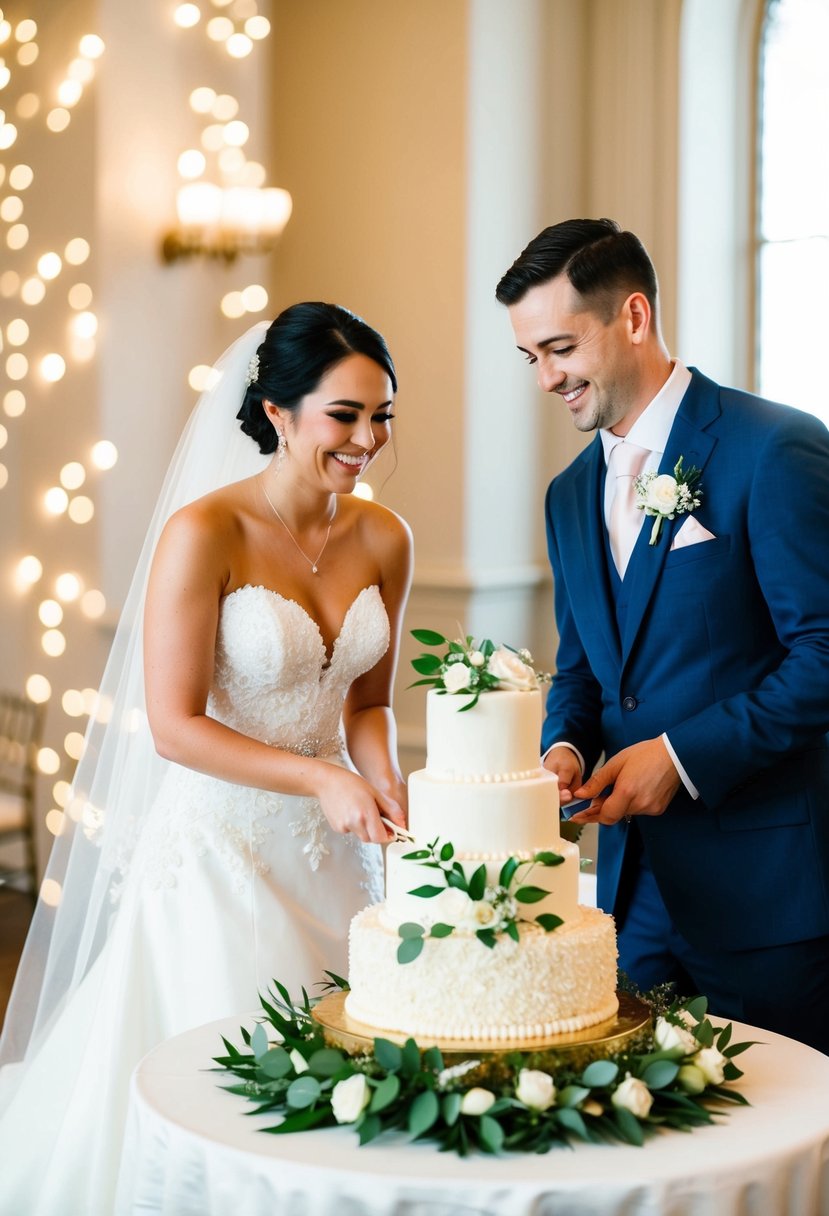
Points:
[458,988]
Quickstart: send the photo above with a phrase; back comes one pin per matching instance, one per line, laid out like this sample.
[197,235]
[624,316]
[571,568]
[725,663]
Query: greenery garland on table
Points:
[504,1102]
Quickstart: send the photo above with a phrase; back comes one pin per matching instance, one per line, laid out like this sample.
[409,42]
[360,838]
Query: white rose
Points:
[711,1064]
[535,1089]
[476,1101]
[674,1038]
[456,677]
[508,669]
[299,1062]
[633,1095]
[452,907]
[483,912]
[663,494]
[476,658]
[349,1098]
[691,1079]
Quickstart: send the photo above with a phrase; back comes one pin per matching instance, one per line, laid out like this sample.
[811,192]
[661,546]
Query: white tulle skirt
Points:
[231,888]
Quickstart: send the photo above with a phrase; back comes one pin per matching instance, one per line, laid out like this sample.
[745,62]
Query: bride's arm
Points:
[188,579]
[369,723]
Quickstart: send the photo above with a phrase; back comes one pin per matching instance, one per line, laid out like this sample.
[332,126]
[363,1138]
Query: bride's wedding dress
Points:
[229,887]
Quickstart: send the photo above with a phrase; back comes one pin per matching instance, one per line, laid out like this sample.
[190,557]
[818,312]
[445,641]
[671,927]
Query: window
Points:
[793,213]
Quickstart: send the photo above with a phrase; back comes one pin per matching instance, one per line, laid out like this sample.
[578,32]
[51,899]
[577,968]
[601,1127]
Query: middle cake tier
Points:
[485,819]
[452,906]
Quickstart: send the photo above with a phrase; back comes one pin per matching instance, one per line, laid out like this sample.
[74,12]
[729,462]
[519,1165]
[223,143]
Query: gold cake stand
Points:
[624,1032]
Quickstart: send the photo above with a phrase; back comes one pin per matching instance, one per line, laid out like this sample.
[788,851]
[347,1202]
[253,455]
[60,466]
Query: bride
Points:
[230,804]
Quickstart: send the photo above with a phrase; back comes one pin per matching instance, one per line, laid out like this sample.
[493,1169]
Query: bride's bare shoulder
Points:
[218,514]
[218,511]
[385,534]
[379,524]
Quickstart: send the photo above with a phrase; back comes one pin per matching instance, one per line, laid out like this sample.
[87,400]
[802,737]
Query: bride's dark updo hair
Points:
[300,347]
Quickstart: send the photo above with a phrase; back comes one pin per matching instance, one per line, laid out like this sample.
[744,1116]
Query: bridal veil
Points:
[119,772]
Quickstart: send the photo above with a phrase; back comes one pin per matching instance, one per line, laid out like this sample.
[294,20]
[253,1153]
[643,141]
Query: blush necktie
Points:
[625,464]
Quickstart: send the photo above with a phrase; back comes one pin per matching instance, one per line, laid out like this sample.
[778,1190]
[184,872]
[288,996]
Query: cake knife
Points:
[398,833]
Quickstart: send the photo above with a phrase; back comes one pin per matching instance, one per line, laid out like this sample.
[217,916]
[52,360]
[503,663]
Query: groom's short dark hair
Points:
[600,259]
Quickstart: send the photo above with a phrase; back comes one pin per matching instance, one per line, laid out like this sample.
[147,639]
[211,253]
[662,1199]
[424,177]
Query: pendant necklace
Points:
[315,563]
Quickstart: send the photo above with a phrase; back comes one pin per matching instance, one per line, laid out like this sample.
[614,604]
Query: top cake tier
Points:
[497,740]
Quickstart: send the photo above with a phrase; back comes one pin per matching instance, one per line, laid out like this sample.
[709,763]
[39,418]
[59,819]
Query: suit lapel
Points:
[688,438]
[587,491]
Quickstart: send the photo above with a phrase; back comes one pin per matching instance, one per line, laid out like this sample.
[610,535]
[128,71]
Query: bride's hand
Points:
[350,804]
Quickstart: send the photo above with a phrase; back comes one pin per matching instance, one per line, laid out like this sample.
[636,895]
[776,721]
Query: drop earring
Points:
[281,449]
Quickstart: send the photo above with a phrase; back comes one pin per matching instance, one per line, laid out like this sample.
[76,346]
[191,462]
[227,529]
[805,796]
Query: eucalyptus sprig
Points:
[494,908]
[471,667]
[503,1103]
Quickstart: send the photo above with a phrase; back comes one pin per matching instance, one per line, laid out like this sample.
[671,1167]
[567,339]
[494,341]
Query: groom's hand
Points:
[642,781]
[564,762]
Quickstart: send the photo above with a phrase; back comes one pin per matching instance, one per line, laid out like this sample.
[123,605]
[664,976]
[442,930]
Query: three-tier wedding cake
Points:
[481,935]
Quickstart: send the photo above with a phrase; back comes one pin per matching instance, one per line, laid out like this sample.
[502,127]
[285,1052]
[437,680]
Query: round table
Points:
[192,1150]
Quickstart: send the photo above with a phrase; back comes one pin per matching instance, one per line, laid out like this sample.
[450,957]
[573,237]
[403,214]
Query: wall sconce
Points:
[217,222]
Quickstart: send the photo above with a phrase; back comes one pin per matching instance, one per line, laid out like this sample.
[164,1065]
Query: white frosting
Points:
[505,742]
[511,816]
[549,983]
[483,790]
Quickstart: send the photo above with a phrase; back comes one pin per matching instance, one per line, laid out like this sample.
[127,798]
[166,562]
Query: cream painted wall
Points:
[370,136]
[368,104]
[632,130]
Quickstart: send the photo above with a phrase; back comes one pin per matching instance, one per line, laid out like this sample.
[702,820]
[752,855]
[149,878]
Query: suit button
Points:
[629,703]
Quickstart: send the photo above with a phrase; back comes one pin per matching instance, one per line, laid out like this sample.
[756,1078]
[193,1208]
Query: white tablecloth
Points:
[192,1150]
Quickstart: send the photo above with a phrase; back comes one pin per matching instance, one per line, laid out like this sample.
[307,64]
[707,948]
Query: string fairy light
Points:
[32,359]
[239,26]
[36,360]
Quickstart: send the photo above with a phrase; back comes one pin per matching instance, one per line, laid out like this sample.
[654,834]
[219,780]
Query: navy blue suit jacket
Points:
[723,644]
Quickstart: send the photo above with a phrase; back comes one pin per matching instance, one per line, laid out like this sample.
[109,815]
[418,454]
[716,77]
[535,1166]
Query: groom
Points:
[694,650]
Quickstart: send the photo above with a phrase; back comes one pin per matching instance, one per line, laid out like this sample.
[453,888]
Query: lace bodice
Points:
[272,680]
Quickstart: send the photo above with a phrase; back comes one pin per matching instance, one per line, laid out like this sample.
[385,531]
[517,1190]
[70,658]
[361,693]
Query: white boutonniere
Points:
[665,497]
